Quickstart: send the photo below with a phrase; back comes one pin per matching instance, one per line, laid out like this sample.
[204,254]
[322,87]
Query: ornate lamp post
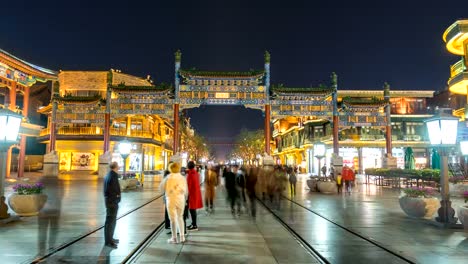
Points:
[319,153]
[124,148]
[10,123]
[442,131]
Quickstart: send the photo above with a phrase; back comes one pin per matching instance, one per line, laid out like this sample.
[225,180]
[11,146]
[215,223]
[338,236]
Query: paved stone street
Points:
[371,211]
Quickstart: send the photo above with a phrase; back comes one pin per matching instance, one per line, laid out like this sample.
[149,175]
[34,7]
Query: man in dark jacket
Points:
[231,188]
[112,199]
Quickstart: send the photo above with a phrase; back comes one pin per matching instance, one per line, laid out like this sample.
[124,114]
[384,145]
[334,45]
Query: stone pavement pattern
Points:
[224,238]
[374,212]
[70,213]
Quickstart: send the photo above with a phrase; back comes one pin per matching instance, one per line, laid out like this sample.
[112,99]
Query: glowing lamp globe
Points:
[10,123]
[464,147]
[124,148]
[442,130]
[319,149]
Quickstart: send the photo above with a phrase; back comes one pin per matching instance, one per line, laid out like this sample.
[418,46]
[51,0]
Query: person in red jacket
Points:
[348,177]
[195,197]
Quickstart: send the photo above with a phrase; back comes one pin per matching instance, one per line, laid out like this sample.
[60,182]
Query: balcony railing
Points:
[457,68]
[79,131]
[133,133]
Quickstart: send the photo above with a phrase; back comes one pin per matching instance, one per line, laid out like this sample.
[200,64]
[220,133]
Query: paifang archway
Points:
[251,89]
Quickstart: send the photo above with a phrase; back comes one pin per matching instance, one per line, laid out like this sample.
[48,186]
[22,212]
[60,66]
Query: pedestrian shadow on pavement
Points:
[104,255]
[49,217]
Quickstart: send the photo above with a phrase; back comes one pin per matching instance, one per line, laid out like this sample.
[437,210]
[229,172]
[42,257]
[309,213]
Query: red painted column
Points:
[336,147]
[267,129]
[53,126]
[12,97]
[106,132]
[175,146]
[388,139]
[388,127]
[12,107]
[22,151]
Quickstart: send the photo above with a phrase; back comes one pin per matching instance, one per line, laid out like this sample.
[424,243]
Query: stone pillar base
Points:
[389,162]
[51,164]
[104,162]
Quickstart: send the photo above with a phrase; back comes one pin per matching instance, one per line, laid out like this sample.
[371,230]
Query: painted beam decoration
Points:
[143,100]
[72,111]
[222,88]
[22,72]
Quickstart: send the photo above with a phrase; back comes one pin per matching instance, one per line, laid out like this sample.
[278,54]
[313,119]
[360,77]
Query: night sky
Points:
[365,42]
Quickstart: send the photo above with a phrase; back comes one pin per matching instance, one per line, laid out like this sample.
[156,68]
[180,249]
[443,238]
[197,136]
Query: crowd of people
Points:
[242,184]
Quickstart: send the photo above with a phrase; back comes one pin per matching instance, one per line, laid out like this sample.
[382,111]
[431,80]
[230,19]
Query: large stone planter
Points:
[128,183]
[312,184]
[456,190]
[463,215]
[419,207]
[27,204]
[328,187]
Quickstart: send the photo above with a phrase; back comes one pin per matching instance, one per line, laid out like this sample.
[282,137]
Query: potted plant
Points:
[457,186]
[326,185]
[312,183]
[418,202]
[27,199]
[463,211]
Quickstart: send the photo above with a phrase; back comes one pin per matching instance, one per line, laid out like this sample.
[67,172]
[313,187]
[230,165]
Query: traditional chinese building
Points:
[86,104]
[361,144]
[19,82]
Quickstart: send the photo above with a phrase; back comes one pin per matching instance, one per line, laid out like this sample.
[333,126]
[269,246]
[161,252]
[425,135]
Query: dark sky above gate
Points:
[365,42]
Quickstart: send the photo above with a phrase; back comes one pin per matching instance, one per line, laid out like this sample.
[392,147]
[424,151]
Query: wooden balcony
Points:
[80,131]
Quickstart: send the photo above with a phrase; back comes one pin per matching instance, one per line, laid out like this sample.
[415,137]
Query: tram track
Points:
[354,233]
[63,246]
[301,241]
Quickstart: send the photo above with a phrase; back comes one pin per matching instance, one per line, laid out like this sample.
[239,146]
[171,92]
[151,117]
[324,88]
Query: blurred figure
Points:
[263,178]
[324,171]
[167,221]
[194,198]
[348,177]
[292,181]
[232,194]
[339,182]
[175,188]
[112,200]
[49,216]
[251,181]
[240,183]
[211,182]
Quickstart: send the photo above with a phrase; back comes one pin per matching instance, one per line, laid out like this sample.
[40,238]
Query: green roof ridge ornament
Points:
[267,56]
[334,80]
[386,89]
[178,55]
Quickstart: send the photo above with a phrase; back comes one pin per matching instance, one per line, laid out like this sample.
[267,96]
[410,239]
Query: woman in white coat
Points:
[175,188]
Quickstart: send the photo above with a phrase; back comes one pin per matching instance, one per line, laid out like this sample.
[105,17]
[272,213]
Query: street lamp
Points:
[124,148]
[10,123]
[319,153]
[442,131]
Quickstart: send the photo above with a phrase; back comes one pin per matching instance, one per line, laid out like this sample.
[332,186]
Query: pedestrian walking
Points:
[211,182]
[231,189]
[292,181]
[251,181]
[194,198]
[112,200]
[167,221]
[348,177]
[324,171]
[175,190]
[240,183]
[339,182]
